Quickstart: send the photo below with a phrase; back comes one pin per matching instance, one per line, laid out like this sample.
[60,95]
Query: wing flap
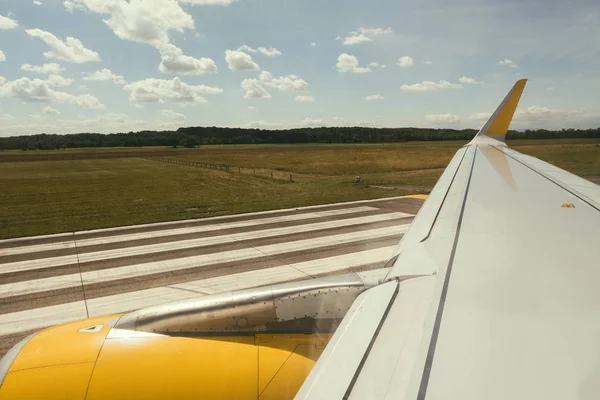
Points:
[426,247]
[421,225]
[394,357]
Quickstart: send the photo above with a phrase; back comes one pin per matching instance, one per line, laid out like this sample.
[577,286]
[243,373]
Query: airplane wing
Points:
[493,293]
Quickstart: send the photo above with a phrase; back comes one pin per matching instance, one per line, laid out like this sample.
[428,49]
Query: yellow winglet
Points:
[498,123]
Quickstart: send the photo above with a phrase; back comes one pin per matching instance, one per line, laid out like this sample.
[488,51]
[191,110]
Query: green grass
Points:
[60,196]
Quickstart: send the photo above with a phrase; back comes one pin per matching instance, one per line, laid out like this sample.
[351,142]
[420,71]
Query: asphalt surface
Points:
[48,280]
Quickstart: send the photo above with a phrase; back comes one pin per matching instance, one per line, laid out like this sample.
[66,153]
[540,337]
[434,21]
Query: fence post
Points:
[239,170]
[254,172]
[291,178]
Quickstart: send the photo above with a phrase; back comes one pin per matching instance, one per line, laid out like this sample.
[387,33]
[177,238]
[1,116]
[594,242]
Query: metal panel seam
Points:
[372,343]
[438,319]
[87,389]
[278,369]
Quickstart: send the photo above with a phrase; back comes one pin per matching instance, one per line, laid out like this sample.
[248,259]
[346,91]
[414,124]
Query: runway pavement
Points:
[47,280]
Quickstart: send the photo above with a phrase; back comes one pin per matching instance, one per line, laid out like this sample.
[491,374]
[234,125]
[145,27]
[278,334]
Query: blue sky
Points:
[117,65]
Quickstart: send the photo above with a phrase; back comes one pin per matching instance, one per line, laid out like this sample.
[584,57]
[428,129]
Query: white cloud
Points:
[6,117]
[172,115]
[112,122]
[254,90]
[430,86]
[364,122]
[38,90]
[146,21]
[312,122]
[70,50]
[52,70]
[283,83]
[374,64]
[269,52]
[427,62]
[2,80]
[239,61]
[375,31]
[550,89]
[363,35]
[105,74]
[374,97]
[150,22]
[71,7]
[247,48]
[349,63]
[37,3]
[106,122]
[508,63]
[443,118]
[174,61]
[261,124]
[305,99]
[353,39]
[156,90]
[7,23]
[552,118]
[252,108]
[313,44]
[2,56]
[482,116]
[59,81]
[138,106]
[537,113]
[308,122]
[50,111]
[405,61]
[46,69]
[469,81]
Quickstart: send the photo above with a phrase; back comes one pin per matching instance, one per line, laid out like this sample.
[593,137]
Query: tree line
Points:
[197,136]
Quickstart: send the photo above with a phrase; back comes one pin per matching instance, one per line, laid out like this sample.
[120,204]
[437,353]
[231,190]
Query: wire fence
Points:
[260,172]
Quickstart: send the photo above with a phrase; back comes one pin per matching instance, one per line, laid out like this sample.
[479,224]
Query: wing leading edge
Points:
[495,292]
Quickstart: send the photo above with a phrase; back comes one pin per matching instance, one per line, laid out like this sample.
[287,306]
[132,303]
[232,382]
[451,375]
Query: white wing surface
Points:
[496,290]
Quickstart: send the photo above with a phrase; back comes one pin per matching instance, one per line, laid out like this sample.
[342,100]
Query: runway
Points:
[48,280]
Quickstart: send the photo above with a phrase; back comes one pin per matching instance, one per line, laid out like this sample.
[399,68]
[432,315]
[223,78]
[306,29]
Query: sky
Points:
[129,65]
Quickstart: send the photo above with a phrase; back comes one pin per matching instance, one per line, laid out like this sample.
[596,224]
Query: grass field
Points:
[41,197]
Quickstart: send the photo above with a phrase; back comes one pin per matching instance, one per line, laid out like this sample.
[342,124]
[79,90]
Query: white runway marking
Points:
[112,274]
[41,317]
[69,244]
[315,246]
[186,244]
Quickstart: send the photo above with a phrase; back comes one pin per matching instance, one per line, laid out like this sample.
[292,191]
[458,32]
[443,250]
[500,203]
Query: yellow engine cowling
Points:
[258,343]
[69,362]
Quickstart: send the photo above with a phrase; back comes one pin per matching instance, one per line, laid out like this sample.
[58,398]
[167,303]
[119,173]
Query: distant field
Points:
[41,197]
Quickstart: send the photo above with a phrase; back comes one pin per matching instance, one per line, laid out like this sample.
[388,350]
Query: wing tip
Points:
[497,125]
